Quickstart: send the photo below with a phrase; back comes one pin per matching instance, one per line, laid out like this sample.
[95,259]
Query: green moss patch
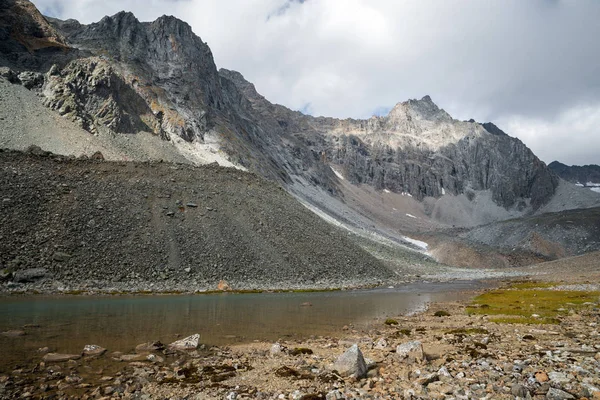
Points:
[529,303]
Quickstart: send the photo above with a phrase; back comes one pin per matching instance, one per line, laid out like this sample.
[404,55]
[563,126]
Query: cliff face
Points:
[27,39]
[125,76]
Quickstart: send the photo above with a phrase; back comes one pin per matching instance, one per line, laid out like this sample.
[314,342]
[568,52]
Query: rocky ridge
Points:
[583,174]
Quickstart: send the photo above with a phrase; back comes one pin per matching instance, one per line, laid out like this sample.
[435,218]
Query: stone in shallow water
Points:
[93,350]
[149,347]
[132,357]
[351,363]
[13,333]
[58,357]
[188,343]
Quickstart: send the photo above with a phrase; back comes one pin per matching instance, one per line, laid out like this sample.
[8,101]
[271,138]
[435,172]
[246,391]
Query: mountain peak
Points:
[171,24]
[120,17]
[423,109]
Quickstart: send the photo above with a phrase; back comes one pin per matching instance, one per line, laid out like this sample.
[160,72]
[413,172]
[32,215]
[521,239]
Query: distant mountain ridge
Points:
[577,174]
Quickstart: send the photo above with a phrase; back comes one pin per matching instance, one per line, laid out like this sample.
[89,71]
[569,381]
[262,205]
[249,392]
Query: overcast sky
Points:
[532,67]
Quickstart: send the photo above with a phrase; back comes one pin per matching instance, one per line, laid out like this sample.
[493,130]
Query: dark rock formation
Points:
[27,40]
[575,173]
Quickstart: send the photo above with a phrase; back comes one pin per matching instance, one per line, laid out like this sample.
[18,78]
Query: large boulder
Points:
[351,363]
[30,275]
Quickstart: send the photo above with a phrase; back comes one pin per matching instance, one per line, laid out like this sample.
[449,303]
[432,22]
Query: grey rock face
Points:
[27,40]
[164,62]
[92,94]
[417,148]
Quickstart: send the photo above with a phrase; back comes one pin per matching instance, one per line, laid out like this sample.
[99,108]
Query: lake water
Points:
[66,324]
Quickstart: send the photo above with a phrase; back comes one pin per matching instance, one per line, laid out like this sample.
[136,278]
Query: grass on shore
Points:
[530,303]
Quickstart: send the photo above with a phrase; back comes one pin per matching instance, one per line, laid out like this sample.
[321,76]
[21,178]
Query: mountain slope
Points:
[159,226]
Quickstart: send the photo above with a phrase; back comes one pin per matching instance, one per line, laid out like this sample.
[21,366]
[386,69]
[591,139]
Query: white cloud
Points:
[482,59]
[572,137]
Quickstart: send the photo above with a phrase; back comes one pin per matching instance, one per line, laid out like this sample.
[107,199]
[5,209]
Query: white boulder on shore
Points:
[188,343]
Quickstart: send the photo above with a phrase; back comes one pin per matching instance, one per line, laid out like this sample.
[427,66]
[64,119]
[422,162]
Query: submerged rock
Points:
[149,346]
[58,357]
[351,363]
[13,333]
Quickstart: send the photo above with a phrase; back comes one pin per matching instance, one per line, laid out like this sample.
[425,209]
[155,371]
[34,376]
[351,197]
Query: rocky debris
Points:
[132,357]
[276,349]
[93,350]
[381,344]
[97,156]
[58,357]
[351,363]
[5,275]
[60,256]
[411,351]
[189,343]
[30,275]
[101,226]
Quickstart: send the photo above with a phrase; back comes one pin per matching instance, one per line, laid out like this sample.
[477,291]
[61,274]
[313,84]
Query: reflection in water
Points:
[120,323]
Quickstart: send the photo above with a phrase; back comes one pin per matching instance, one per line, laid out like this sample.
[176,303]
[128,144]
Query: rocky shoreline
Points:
[445,352]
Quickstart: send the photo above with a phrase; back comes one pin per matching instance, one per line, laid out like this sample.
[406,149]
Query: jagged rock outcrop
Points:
[163,61]
[577,174]
[93,95]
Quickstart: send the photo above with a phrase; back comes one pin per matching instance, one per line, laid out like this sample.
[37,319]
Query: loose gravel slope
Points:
[72,224]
